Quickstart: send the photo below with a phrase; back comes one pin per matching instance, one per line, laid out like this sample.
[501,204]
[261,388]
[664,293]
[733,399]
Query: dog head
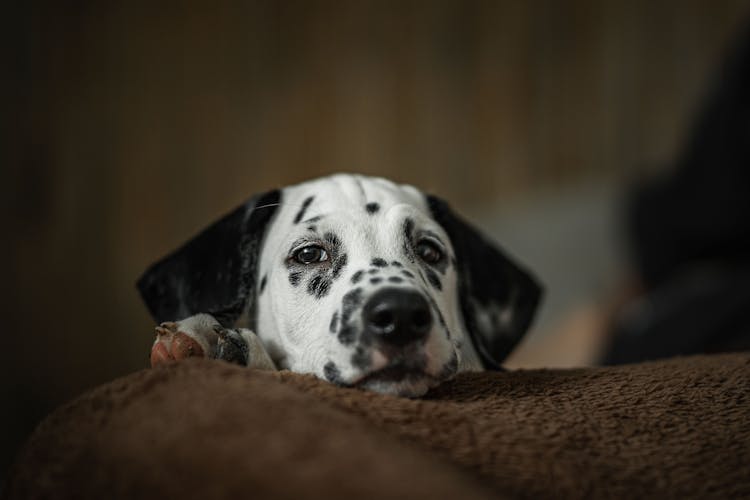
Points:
[358,280]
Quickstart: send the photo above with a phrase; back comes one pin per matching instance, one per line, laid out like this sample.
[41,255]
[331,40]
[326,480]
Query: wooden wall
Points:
[133,124]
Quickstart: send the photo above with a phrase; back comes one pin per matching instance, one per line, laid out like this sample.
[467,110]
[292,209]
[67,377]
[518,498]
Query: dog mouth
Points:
[394,373]
[403,376]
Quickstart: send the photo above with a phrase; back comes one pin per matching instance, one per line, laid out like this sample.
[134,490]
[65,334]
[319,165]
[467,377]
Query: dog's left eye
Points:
[429,252]
[310,255]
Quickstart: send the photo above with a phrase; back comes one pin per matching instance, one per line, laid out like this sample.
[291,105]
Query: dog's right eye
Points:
[429,252]
[310,255]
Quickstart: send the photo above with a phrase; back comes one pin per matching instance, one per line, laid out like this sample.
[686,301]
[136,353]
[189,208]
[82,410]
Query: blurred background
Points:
[129,126]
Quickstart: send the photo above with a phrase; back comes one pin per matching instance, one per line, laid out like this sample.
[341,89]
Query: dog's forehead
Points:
[349,194]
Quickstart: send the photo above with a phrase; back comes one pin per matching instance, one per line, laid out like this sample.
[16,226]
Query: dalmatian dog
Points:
[358,280]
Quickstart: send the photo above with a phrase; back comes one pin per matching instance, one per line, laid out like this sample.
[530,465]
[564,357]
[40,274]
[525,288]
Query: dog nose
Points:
[397,316]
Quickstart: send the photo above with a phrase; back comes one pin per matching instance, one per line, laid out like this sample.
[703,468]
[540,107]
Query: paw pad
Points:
[173,345]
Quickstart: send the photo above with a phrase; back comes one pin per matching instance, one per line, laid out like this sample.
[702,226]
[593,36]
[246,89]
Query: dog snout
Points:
[397,316]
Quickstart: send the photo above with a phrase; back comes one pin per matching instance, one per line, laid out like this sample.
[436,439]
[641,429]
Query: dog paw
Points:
[192,337]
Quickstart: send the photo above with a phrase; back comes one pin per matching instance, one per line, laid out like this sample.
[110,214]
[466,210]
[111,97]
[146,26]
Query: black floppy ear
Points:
[215,272]
[498,297]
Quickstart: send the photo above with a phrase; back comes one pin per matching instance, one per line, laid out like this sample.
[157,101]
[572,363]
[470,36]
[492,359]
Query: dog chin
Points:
[398,380]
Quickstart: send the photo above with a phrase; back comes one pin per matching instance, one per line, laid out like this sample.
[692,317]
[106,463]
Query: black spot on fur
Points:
[334,322]
[373,271]
[433,279]
[338,264]
[319,285]
[377,262]
[263,283]
[347,334]
[313,284]
[312,229]
[349,303]
[408,274]
[440,316]
[357,276]
[372,208]
[333,240]
[408,228]
[396,263]
[360,359]
[395,279]
[332,374]
[438,312]
[323,288]
[294,277]
[303,209]
[375,281]
[408,232]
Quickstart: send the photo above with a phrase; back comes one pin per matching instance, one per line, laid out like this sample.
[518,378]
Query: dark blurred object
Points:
[690,234]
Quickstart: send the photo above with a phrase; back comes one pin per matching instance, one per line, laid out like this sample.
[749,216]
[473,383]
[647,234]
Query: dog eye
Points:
[310,255]
[429,252]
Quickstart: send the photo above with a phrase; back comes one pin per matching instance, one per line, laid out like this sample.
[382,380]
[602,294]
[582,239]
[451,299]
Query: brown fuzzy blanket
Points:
[205,429]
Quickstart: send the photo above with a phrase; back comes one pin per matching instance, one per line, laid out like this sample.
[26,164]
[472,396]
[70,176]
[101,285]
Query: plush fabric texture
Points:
[207,429]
